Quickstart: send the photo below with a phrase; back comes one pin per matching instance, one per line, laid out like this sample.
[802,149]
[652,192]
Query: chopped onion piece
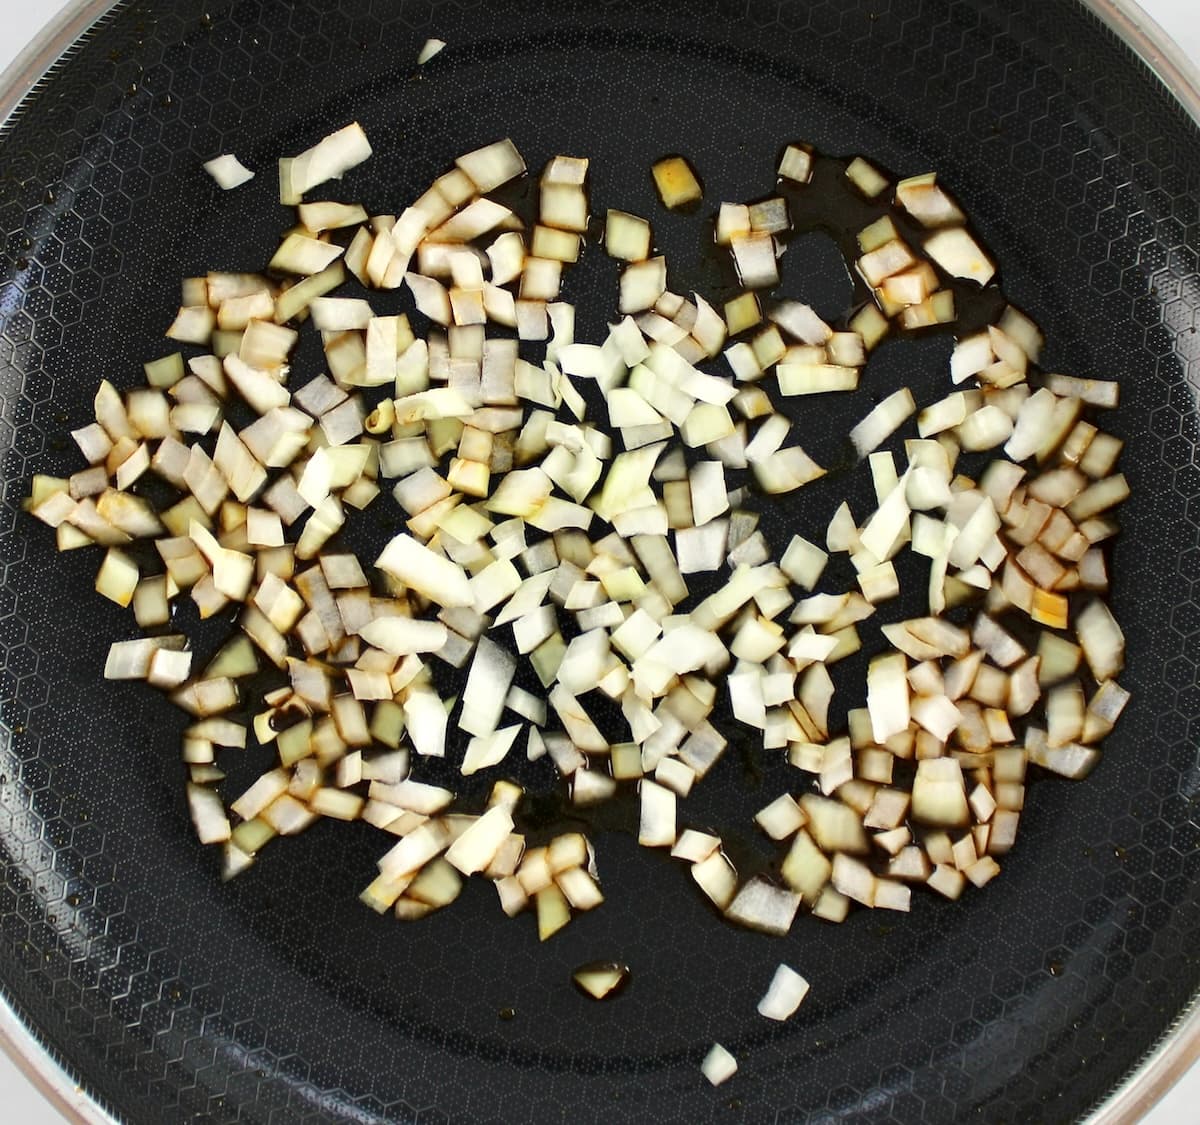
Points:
[1102,640]
[785,994]
[1073,760]
[478,845]
[815,378]
[760,905]
[642,283]
[718,1065]
[883,421]
[921,197]
[854,879]
[960,255]
[301,254]
[228,171]
[626,236]
[938,795]
[887,696]
[781,817]
[695,847]
[492,165]
[430,839]
[599,981]
[430,48]
[985,429]
[754,257]
[676,182]
[419,568]
[657,825]
[796,164]
[329,159]
[132,660]
[489,750]
[865,177]
[487,687]
[117,578]
[208,815]
[1097,392]
[716,878]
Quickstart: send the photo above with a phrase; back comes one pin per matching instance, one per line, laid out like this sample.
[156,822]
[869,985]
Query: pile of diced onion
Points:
[539,531]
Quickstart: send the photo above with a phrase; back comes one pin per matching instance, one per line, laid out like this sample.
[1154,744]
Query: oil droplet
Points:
[1056,968]
[507,1014]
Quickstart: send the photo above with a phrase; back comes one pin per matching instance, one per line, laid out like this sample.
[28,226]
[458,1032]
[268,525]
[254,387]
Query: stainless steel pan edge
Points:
[1158,1071]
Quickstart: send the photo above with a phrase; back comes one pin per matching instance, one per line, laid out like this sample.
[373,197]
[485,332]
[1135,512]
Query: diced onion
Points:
[784,997]
[516,508]
[430,48]
[718,1065]
[228,171]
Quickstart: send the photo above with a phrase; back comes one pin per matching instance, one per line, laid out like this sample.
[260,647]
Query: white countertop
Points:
[22,1102]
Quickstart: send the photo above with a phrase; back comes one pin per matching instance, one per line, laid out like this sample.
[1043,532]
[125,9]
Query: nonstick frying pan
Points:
[168,997]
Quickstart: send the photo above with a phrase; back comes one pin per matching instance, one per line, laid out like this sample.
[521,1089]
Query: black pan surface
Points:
[277,999]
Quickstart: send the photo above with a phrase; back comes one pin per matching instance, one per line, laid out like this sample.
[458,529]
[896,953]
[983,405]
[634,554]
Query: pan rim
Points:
[1151,1078]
